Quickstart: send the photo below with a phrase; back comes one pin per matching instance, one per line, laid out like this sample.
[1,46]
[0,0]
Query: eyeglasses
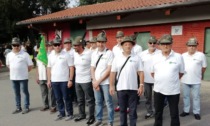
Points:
[56,45]
[165,43]
[152,43]
[15,45]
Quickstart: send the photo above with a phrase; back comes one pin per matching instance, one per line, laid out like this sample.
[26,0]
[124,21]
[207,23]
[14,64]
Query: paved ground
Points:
[38,118]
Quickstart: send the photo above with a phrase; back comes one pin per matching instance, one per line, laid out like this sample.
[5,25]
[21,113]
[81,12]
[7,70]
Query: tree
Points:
[12,11]
[88,2]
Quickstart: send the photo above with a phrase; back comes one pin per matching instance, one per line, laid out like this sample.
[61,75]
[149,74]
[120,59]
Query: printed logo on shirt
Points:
[171,62]
[132,61]
[61,58]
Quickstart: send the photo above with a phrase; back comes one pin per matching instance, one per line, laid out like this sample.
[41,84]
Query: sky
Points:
[73,3]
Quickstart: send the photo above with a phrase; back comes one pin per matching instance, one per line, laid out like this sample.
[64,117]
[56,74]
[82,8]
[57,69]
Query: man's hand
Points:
[96,84]
[140,90]
[48,84]
[111,90]
[70,84]
[37,80]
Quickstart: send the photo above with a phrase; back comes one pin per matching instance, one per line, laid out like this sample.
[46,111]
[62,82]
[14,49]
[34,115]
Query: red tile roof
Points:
[109,8]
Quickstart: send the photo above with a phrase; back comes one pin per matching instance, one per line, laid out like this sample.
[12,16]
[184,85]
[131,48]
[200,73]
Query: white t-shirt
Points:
[71,52]
[18,65]
[82,64]
[137,49]
[128,76]
[166,73]
[117,50]
[146,58]
[193,67]
[41,70]
[104,62]
[59,64]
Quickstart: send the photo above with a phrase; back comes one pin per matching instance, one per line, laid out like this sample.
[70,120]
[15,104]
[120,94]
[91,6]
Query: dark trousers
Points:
[62,97]
[128,99]
[85,92]
[48,97]
[173,101]
[148,95]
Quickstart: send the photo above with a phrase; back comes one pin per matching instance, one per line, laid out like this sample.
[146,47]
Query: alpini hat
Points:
[119,34]
[166,39]
[101,37]
[78,40]
[93,40]
[192,42]
[16,40]
[67,40]
[127,39]
[152,39]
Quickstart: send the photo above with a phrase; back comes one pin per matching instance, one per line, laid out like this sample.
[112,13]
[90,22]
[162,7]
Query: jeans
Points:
[62,97]
[104,92]
[148,94]
[195,90]
[85,92]
[173,101]
[128,99]
[48,96]
[24,87]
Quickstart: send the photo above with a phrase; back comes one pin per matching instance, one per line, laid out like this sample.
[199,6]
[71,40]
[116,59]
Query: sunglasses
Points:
[15,45]
[152,43]
[192,45]
[165,43]
[56,45]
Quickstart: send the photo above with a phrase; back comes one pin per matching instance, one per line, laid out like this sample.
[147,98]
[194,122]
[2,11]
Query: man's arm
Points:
[112,82]
[70,83]
[141,80]
[49,77]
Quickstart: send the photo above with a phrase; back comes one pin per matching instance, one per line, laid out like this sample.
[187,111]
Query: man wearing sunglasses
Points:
[147,57]
[167,68]
[60,75]
[19,64]
[195,66]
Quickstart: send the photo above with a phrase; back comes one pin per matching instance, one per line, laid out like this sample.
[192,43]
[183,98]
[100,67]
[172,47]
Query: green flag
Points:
[42,55]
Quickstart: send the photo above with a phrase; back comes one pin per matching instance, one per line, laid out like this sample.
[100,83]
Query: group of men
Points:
[97,73]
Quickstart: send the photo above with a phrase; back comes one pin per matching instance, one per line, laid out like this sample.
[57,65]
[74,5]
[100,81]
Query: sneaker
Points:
[69,117]
[117,109]
[59,117]
[79,118]
[110,124]
[128,110]
[97,123]
[53,110]
[25,111]
[149,115]
[91,120]
[44,109]
[18,110]
[183,114]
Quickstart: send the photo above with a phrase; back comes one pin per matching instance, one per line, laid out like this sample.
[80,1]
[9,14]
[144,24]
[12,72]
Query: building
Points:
[181,18]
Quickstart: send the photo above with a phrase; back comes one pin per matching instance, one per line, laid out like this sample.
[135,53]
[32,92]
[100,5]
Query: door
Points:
[77,29]
[207,53]
[142,39]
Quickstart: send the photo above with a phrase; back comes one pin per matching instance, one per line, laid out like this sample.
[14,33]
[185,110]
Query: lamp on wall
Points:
[118,17]
[80,21]
[54,24]
[168,12]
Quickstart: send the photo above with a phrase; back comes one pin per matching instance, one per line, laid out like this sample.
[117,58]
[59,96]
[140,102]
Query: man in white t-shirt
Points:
[167,68]
[127,66]
[84,88]
[19,64]
[47,94]
[60,72]
[93,44]
[137,49]
[101,61]
[195,66]
[117,49]
[147,57]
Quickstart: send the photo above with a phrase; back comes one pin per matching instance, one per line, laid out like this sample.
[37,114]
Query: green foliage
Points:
[12,11]
[88,2]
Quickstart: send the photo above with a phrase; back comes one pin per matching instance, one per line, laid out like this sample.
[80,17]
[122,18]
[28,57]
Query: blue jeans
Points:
[195,90]
[104,92]
[24,87]
[62,97]
[128,99]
